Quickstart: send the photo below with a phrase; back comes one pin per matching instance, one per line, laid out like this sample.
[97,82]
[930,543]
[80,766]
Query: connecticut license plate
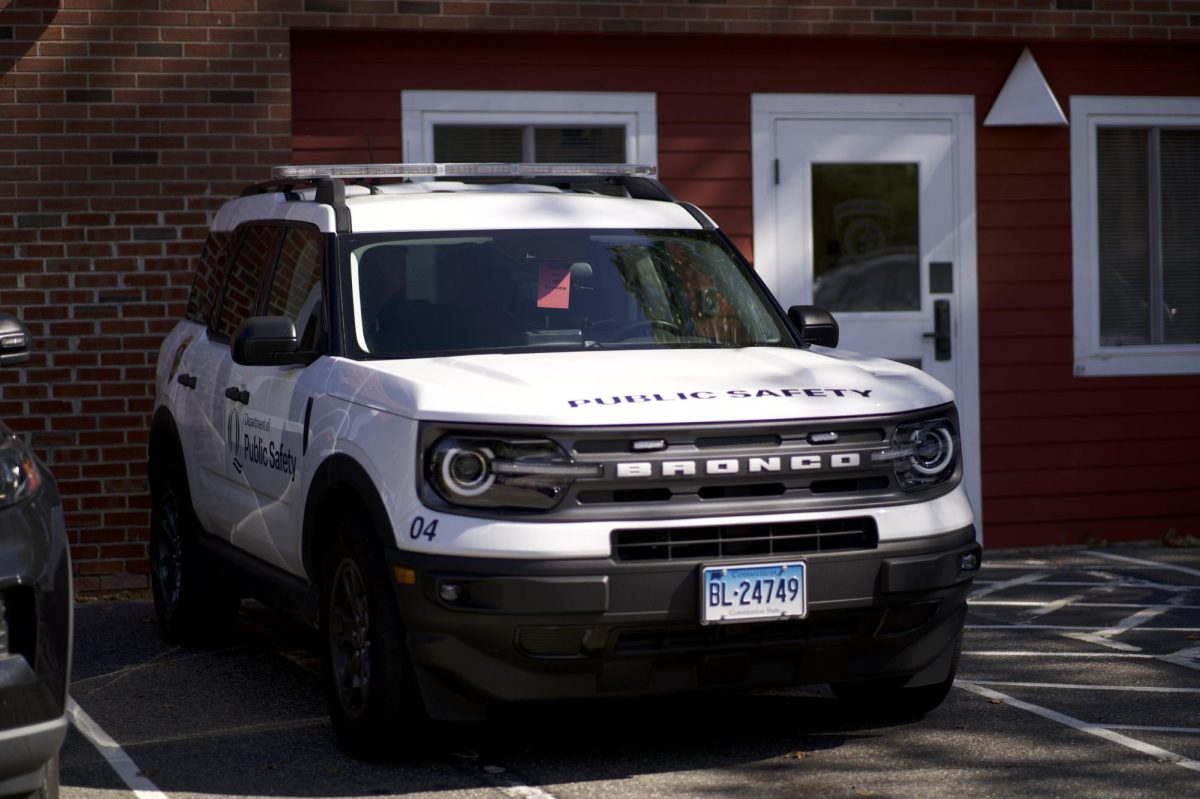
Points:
[753,593]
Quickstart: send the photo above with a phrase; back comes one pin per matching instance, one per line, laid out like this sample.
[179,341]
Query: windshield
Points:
[491,291]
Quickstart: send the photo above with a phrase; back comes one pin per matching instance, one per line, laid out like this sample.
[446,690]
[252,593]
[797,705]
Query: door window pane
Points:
[1123,203]
[510,144]
[1148,183]
[1181,235]
[580,145]
[255,255]
[866,253]
[296,288]
[465,144]
[206,286]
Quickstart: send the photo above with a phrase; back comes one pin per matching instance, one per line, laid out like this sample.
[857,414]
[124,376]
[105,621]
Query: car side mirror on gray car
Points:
[15,342]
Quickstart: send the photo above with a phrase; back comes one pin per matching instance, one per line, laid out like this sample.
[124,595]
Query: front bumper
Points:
[551,629]
[35,639]
[24,752]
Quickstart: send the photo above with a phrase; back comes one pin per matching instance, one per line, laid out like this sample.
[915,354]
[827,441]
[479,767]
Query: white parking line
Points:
[1013,583]
[1083,726]
[1105,637]
[1020,603]
[1023,654]
[1188,658]
[513,787]
[1086,632]
[1061,686]
[1023,565]
[1050,607]
[1124,583]
[1146,564]
[1146,728]
[111,751]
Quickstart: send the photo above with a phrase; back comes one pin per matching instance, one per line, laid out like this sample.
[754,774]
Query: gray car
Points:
[35,607]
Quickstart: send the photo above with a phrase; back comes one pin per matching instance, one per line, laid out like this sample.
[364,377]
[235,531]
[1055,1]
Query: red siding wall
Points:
[127,122]
[1065,459]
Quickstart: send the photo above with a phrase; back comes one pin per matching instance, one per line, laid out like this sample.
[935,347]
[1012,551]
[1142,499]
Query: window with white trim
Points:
[1135,179]
[529,127]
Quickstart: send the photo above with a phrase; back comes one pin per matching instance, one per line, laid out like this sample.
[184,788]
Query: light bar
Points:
[460,171]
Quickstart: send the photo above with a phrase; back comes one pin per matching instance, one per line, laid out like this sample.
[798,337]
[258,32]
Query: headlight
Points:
[19,475]
[922,453]
[495,472]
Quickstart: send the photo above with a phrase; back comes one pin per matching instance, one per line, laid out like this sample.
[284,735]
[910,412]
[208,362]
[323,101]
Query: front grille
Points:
[715,469]
[745,540]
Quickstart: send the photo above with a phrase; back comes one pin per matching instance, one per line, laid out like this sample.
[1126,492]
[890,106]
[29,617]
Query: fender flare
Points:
[340,474]
[165,447]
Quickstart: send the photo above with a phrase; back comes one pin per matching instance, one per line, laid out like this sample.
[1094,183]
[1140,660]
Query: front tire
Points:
[369,683]
[192,603]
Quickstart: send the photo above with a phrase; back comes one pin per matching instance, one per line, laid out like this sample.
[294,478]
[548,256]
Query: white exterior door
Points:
[864,205]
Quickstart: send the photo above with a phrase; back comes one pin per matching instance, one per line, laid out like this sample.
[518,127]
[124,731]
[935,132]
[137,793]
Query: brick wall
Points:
[127,122]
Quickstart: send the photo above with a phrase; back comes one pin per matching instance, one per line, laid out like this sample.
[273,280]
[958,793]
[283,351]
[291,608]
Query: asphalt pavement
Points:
[1080,677]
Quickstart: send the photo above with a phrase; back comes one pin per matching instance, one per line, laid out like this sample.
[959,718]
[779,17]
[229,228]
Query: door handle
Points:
[237,395]
[186,380]
[941,330]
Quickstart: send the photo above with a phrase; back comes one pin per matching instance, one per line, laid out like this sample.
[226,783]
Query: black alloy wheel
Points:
[370,687]
[192,601]
[349,638]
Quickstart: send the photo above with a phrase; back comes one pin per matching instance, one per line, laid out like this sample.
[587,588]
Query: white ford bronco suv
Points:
[531,432]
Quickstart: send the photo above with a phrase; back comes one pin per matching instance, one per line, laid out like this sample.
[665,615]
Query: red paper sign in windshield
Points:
[554,286]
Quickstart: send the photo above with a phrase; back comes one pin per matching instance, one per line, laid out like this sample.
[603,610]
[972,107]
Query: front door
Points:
[864,206]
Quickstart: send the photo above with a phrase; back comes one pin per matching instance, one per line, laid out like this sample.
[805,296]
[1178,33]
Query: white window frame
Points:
[636,111]
[1088,114]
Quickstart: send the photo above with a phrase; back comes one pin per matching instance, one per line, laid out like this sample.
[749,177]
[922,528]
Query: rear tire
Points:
[369,683]
[193,603]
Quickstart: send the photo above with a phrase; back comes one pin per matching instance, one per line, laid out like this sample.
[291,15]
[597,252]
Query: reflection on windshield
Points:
[539,289]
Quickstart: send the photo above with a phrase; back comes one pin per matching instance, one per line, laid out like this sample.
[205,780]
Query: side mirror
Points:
[268,341]
[15,342]
[815,325]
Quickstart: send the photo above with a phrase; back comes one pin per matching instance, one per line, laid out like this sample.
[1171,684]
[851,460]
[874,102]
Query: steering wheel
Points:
[626,330]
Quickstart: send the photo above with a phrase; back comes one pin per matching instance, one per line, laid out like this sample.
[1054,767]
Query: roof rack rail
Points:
[638,180]
[463,170]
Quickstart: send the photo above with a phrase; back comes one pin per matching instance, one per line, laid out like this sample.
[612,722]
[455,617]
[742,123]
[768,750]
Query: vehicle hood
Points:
[633,387]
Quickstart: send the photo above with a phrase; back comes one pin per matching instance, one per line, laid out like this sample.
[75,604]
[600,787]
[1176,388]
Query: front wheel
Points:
[369,684]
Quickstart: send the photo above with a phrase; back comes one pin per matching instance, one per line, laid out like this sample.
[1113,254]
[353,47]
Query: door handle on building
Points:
[941,330]
[237,395]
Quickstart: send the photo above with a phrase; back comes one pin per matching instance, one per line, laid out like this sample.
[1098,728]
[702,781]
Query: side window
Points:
[537,127]
[296,287]
[206,287]
[592,144]
[255,256]
[1135,201]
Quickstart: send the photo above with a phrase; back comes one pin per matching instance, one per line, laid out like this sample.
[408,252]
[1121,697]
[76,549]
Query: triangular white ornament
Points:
[1026,98]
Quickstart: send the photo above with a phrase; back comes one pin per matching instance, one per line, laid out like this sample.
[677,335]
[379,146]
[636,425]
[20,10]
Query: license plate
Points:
[753,593]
